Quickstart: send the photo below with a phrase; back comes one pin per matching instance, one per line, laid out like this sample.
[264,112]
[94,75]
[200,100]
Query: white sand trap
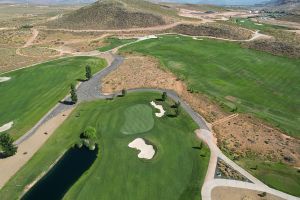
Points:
[258,24]
[148,37]
[195,38]
[146,151]
[3,79]
[160,108]
[242,21]
[6,127]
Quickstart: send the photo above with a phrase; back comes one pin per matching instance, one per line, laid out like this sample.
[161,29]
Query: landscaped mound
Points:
[138,119]
[110,14]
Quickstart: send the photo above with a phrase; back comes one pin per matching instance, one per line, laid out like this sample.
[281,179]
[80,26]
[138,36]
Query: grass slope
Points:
[33,91]
[276,175]
[112,43]
[249,24]
[176,172]
[263,84]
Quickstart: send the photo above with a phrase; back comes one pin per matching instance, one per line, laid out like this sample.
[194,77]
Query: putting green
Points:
[138,119]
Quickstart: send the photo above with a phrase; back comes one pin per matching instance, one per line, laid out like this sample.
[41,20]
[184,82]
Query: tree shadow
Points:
[81,80]
[159,99]
[3,156]
[66,102]
[171,115]
[198,148]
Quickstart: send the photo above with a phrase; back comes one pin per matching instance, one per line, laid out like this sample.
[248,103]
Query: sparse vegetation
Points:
[136,13]
[214,30]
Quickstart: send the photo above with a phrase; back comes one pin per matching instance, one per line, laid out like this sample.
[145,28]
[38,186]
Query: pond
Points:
[63,175]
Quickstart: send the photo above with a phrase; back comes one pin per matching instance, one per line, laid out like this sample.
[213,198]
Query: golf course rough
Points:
[33,91]
[177,170]
[138,119]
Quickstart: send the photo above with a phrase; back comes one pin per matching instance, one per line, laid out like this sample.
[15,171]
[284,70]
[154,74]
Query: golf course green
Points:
[240,79]
[32,92]
[177,170]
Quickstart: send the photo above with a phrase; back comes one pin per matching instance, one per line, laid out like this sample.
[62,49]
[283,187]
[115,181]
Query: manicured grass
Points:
[138,119]
[33,91]
[249,24]
[276,175]
[112,43]
[263,84]
[176,172]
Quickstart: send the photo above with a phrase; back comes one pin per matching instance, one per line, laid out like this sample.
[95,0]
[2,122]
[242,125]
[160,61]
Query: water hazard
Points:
[63,175]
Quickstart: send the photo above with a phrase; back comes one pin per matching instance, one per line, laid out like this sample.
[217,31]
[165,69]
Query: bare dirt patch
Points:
[230,193]
[246,135]
[241,134]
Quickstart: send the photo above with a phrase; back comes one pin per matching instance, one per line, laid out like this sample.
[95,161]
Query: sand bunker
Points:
[160,108]
[195,38]
[3,79]
[258,24]
[146,151]
[148,37]
[6,127]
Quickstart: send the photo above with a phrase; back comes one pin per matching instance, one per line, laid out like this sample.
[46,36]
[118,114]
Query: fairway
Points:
[251,81]
[33,91]
[176,172]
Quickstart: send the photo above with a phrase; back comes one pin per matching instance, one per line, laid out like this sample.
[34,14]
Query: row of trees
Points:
[7,148]
[88,76]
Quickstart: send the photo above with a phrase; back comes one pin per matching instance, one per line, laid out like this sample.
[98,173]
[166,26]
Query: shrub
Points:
[89,133]
[74,98]
[124,92]
[88,72]
[7,146]
[164,96]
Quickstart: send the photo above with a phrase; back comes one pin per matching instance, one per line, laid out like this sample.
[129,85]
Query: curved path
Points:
[91,90]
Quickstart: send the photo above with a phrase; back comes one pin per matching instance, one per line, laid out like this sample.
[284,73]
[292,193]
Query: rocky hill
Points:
[113,14]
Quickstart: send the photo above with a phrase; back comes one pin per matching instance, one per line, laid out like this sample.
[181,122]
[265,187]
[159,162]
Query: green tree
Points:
[177,104]
[177,111]
[164,96]
[124,92]
[89,133]
[88,72]
[6,145]
[74,98]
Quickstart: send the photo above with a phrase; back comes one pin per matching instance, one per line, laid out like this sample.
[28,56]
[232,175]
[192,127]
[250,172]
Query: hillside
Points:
[113,14]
